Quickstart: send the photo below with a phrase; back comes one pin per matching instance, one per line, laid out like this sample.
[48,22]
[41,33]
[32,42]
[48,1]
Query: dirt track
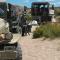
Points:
[39,49]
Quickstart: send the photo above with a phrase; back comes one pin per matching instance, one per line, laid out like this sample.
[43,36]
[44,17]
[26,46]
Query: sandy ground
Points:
[40,49]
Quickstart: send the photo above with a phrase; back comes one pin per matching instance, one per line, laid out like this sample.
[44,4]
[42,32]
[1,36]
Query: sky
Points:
[28,2]
[2,0]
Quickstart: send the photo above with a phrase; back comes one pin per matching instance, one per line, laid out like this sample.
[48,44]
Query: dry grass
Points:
[48,30]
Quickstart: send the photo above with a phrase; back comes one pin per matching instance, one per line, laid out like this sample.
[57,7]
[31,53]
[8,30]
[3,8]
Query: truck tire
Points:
[19,53]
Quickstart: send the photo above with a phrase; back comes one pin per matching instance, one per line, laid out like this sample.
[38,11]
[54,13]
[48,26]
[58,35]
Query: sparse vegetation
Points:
[29,17]
[58,18]
[57,11]
[47,30]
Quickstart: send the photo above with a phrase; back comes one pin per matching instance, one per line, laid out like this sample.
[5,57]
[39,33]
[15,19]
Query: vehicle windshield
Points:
[3,10]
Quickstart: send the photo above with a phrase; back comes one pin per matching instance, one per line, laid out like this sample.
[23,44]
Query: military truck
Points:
[42,11]
[9,47]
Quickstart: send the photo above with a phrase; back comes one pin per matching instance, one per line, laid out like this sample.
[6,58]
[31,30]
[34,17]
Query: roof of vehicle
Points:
[40,3]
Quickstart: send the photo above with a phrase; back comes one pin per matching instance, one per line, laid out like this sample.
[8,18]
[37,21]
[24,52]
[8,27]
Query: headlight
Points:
[8,36]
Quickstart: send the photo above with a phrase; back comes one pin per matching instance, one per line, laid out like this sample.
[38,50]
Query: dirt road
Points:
[39,49]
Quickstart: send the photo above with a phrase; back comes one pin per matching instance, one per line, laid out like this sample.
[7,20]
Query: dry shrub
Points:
[48,30]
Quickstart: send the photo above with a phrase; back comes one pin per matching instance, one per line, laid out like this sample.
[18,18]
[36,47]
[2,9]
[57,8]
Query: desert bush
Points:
[47,30]
[57,11]
[58,18]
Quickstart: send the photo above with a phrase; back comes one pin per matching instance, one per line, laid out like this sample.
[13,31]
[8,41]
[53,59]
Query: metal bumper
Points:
[8,55]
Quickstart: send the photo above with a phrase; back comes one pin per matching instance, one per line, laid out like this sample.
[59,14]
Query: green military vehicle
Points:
[9,46]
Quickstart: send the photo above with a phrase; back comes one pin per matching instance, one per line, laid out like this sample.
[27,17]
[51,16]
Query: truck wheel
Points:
[19,57]
[19,52]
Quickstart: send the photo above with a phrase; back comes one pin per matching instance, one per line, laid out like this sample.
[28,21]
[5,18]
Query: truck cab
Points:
[42,12]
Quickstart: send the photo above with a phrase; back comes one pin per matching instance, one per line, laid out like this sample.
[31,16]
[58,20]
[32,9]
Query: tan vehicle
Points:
[9,47]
